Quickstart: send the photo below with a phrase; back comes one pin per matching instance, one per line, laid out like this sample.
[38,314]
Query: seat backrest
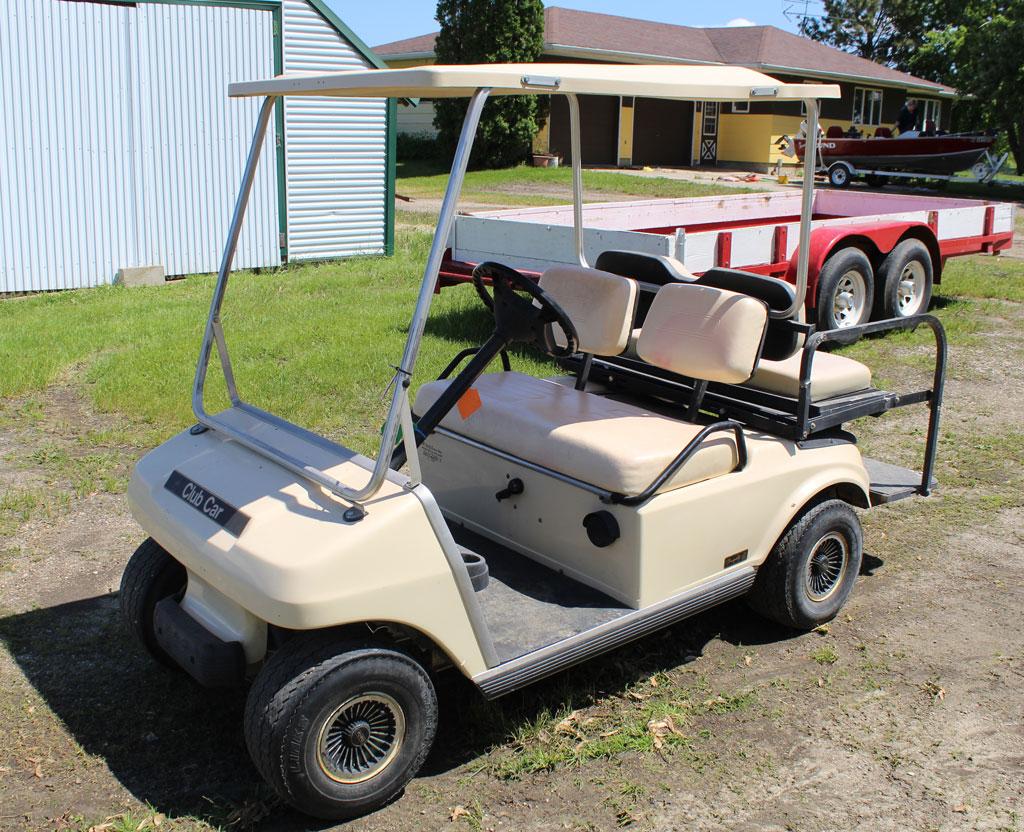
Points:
[647,268]
[781,341]
[883,133]
[834,132]
[599,304]
[704,333]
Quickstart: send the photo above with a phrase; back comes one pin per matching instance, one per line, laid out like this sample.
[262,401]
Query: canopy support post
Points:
[575,146]
[213,328]
[806,213]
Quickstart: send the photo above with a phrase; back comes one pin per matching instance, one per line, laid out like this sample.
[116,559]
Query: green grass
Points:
[314,343]
[512,186]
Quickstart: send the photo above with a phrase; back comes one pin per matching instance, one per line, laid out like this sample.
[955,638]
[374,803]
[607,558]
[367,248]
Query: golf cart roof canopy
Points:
[709,83]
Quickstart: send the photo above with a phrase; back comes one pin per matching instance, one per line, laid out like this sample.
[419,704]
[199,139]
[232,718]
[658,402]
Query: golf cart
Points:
[542,521]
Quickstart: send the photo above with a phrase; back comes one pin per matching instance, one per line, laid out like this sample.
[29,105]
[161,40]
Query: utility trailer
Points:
[872,256]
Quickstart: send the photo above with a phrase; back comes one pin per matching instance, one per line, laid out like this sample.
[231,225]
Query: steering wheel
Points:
[520,319]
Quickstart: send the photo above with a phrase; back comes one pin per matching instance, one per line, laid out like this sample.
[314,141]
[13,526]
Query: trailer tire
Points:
[150,575]
[811,571]
[905,277]
[840,175]
[876,180]
[339,728]
[846,290]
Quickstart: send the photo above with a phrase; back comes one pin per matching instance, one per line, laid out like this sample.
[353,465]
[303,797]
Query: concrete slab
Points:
[140,276]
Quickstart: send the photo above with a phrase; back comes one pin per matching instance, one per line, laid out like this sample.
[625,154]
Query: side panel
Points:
[335,149]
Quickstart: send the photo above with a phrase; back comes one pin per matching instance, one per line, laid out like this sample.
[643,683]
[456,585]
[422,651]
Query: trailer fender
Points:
[875,239]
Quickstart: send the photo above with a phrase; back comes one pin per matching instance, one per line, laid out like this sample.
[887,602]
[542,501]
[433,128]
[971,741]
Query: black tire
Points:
[314,682]
[876,180]
[788,588]
[848,273]
[905,279]
[150,576]
[839,175]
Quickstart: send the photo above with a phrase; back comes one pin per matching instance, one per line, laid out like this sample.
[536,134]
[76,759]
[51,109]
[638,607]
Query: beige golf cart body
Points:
[280,528]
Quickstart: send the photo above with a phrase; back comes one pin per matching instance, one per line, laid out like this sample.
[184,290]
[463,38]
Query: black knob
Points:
[513,489]
[602,528]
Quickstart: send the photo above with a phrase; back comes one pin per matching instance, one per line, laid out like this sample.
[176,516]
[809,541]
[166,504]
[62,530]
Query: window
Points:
[930,110]
[867,106]
[710,125]
[741,106]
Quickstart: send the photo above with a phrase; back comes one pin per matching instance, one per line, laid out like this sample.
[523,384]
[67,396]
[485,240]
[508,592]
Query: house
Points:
[641,131]
[120,147]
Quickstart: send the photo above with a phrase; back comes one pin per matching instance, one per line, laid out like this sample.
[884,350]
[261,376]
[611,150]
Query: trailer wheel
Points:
[839,175]
[811,571]
[339,729]
[150,576]
[905,276]
[876,180]
[846,290]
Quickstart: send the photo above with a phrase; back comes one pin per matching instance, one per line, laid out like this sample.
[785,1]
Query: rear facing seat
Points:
[701,331]
[778,371]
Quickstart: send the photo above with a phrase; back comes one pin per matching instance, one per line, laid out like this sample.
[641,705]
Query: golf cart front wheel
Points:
[811,571]
[150,576]
[338,730]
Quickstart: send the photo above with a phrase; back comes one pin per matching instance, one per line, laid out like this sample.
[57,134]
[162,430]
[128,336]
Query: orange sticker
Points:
[469,403]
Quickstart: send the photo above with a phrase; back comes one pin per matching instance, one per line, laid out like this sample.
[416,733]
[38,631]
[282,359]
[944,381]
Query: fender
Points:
[877,239]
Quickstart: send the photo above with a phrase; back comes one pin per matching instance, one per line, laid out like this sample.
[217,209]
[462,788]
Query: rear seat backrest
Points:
[704,333]
[599,304]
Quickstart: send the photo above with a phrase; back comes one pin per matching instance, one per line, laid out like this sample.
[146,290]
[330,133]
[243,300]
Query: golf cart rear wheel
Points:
[150,576]
[905,278]
[339,729]
[811,571]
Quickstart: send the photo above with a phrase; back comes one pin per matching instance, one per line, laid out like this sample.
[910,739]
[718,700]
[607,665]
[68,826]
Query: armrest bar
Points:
[691,448]
[849,335]
[506,364]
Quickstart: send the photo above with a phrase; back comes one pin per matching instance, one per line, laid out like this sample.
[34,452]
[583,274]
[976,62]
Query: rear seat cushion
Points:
[615,446]
[831,375]
[704,332]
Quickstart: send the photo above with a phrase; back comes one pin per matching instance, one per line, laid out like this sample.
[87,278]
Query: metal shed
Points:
[119,146]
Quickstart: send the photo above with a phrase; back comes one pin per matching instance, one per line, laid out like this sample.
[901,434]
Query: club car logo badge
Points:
[206,502]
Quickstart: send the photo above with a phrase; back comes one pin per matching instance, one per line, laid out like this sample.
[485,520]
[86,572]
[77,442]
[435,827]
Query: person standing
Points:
[906,121]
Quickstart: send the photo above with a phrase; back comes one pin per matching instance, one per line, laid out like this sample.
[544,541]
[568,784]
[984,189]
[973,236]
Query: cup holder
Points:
[479,574]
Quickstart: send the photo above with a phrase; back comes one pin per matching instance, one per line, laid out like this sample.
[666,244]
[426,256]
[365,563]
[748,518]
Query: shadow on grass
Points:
[180,748]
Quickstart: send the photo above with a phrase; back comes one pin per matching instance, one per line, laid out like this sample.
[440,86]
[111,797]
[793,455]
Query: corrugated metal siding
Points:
[118,146]
[192,140]
[335,149]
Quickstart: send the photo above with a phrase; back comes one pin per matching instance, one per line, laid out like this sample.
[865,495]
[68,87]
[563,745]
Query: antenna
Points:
[798,11]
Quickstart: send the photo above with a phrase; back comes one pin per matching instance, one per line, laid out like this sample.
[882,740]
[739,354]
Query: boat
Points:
[942,154]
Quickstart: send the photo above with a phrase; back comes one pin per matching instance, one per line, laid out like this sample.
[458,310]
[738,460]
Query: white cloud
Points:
[740,21]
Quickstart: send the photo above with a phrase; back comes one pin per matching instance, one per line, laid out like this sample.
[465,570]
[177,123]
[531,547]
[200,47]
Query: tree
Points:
[885,31]
[490,31]
[980,55]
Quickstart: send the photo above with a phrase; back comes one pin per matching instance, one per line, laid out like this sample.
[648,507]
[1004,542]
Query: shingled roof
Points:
[574,34]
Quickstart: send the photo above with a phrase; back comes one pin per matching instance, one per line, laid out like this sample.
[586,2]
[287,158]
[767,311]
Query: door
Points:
[662,132]
[709,133]
[599,129]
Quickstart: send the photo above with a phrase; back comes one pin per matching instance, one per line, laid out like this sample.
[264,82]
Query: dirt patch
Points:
[904,713]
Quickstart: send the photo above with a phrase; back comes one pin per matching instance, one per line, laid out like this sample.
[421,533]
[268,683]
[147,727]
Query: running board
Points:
[546,661]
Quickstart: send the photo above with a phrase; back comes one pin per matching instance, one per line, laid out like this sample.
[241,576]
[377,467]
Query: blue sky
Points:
[381,21]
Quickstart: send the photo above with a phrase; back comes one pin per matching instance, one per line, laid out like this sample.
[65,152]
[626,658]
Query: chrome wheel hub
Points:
[826,567]
[361,738]
[850,297]
[910,292]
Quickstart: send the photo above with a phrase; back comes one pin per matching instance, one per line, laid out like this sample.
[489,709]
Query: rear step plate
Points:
[892,482]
